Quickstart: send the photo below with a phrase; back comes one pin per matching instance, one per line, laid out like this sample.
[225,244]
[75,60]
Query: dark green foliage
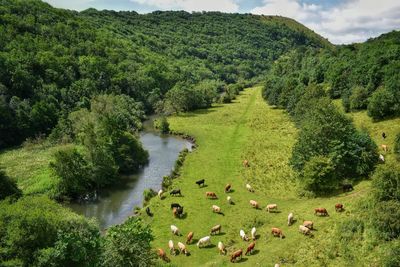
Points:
[128,245]
[148,194]
[34,230]
[319,175]
[385,219]
[162,125]
[7,187]
[386,183]
[391,254]
[358,98]
[397,146]
[382,104]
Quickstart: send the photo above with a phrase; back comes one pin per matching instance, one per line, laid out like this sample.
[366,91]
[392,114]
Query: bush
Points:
[385,218]
[381,104]
[386,183]
[148,194]
[397,146]
[162,125]
[358,98]
[8,187]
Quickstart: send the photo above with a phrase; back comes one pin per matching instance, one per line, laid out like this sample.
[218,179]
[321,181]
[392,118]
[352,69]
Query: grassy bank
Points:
[226,135]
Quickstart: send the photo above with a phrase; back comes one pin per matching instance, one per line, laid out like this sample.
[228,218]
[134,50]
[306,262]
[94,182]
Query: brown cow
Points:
[277,232]
[236,254]
[250,248]
[308,224]
[385,148]
[254,204]
[246,163]
[321,211]
[189,238]
[161,253]
[339,207]
[216,229]
[211,195]
[228,188]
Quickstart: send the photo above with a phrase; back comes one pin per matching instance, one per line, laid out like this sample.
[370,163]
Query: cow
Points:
[308,224]
[175,192]
[229,199]
[201,182]
[277,265]
[246,163]
[385,148]
[243,235]
[277,232]
[290,219]
[253,233]
[248,187]
[161,253]
[250,248]
[211,195]
[160,193]
[339,207]
[182,249]
[215,229]
[347,187]
[381,158]
[177,212]
[271,207]
[204,241]
[171,247]
[236,254]
[221,248]
[189,238]
[254,204]
[175,230]
[304,230]
[149,212]
[216,209]
[175,205]
[228,188]
[321,211]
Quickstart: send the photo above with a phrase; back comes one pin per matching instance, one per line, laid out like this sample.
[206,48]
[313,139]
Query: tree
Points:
[381,104]
[319,175]
[162,125]
[386,183]
[359,98]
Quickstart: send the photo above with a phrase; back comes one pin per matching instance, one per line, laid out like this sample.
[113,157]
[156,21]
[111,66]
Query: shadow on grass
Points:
[219,234]
[242,260]
[254,252]
[230,191]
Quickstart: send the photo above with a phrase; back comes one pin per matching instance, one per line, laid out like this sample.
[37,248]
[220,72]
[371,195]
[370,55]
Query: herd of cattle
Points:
[177,210]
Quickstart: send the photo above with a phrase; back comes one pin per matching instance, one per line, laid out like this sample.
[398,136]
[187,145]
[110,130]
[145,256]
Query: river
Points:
[114,205]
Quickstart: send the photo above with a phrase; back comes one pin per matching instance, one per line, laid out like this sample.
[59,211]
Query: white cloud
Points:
[350,21]
[229,6]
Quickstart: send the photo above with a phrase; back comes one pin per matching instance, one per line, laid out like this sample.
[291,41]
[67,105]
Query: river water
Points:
[115,205]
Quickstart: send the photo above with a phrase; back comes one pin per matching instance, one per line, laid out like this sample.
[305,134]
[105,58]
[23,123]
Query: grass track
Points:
[227,134]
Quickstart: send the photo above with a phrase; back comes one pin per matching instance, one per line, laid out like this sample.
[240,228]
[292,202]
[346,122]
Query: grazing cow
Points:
[250,248]
[277,232]
[253,233]
[149,212]
[236,254]
[254,204]
[381,158]
[200,182]
[347,187]
[229,199]
[271,207]
[243,235]
[248,187]
[216,209]
[304,230]
[338,207]
[246,163]
[290,219]
[175,192]
[160,193]
[161,253]
[277,265]
[308,224]
[182,249]
[385,148]
[204,241]
[211,195]
[175,205]
[221,248]
[177,212]
[321,211]
[383,135]
[228,188]
[216,229]
[171,247]
[189,238]
[175,230]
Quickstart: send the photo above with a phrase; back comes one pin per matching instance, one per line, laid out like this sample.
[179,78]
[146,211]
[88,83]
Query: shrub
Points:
[381,104]
[358,98]
[386,183]
[148,194]
[385,219]
[162,125]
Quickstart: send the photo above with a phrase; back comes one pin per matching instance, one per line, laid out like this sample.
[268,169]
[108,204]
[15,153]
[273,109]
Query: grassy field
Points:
[226,135]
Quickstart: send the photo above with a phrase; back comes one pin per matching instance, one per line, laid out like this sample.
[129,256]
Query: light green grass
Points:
[227,134]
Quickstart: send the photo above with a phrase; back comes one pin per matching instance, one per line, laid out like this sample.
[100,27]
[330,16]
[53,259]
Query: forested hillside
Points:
[54,61]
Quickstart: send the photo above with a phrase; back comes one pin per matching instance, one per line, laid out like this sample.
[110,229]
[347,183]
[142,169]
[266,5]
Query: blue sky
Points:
[341,21]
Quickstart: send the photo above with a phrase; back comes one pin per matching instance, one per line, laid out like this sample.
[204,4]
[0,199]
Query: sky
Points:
[340,21]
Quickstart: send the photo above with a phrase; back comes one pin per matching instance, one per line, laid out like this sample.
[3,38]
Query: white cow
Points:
[171,247]
[160,192]
[174,230]
[290,218]
[229,199]
[304,230]
[249,188]
[381,158]
[221,248]
[182,248]
[243,235]
[216,209]
[204,241]
[253,233]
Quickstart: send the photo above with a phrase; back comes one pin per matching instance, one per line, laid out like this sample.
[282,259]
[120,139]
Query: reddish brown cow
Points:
[211,195]
[246,163]
[236,254]
[228,188]
[250,248]
[339,207]
[189,238]
[161,253]
[321,211]
[277,232]
[216,229]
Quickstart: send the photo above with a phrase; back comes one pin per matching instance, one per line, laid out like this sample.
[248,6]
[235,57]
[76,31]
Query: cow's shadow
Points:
[243,259]
[206,185]
[210,246]
[255,252]
[230,191]
[194,241]
[183,216]
[219,234]
[274,211]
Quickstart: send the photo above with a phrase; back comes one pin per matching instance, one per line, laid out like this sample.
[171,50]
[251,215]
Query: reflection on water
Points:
[115,205]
